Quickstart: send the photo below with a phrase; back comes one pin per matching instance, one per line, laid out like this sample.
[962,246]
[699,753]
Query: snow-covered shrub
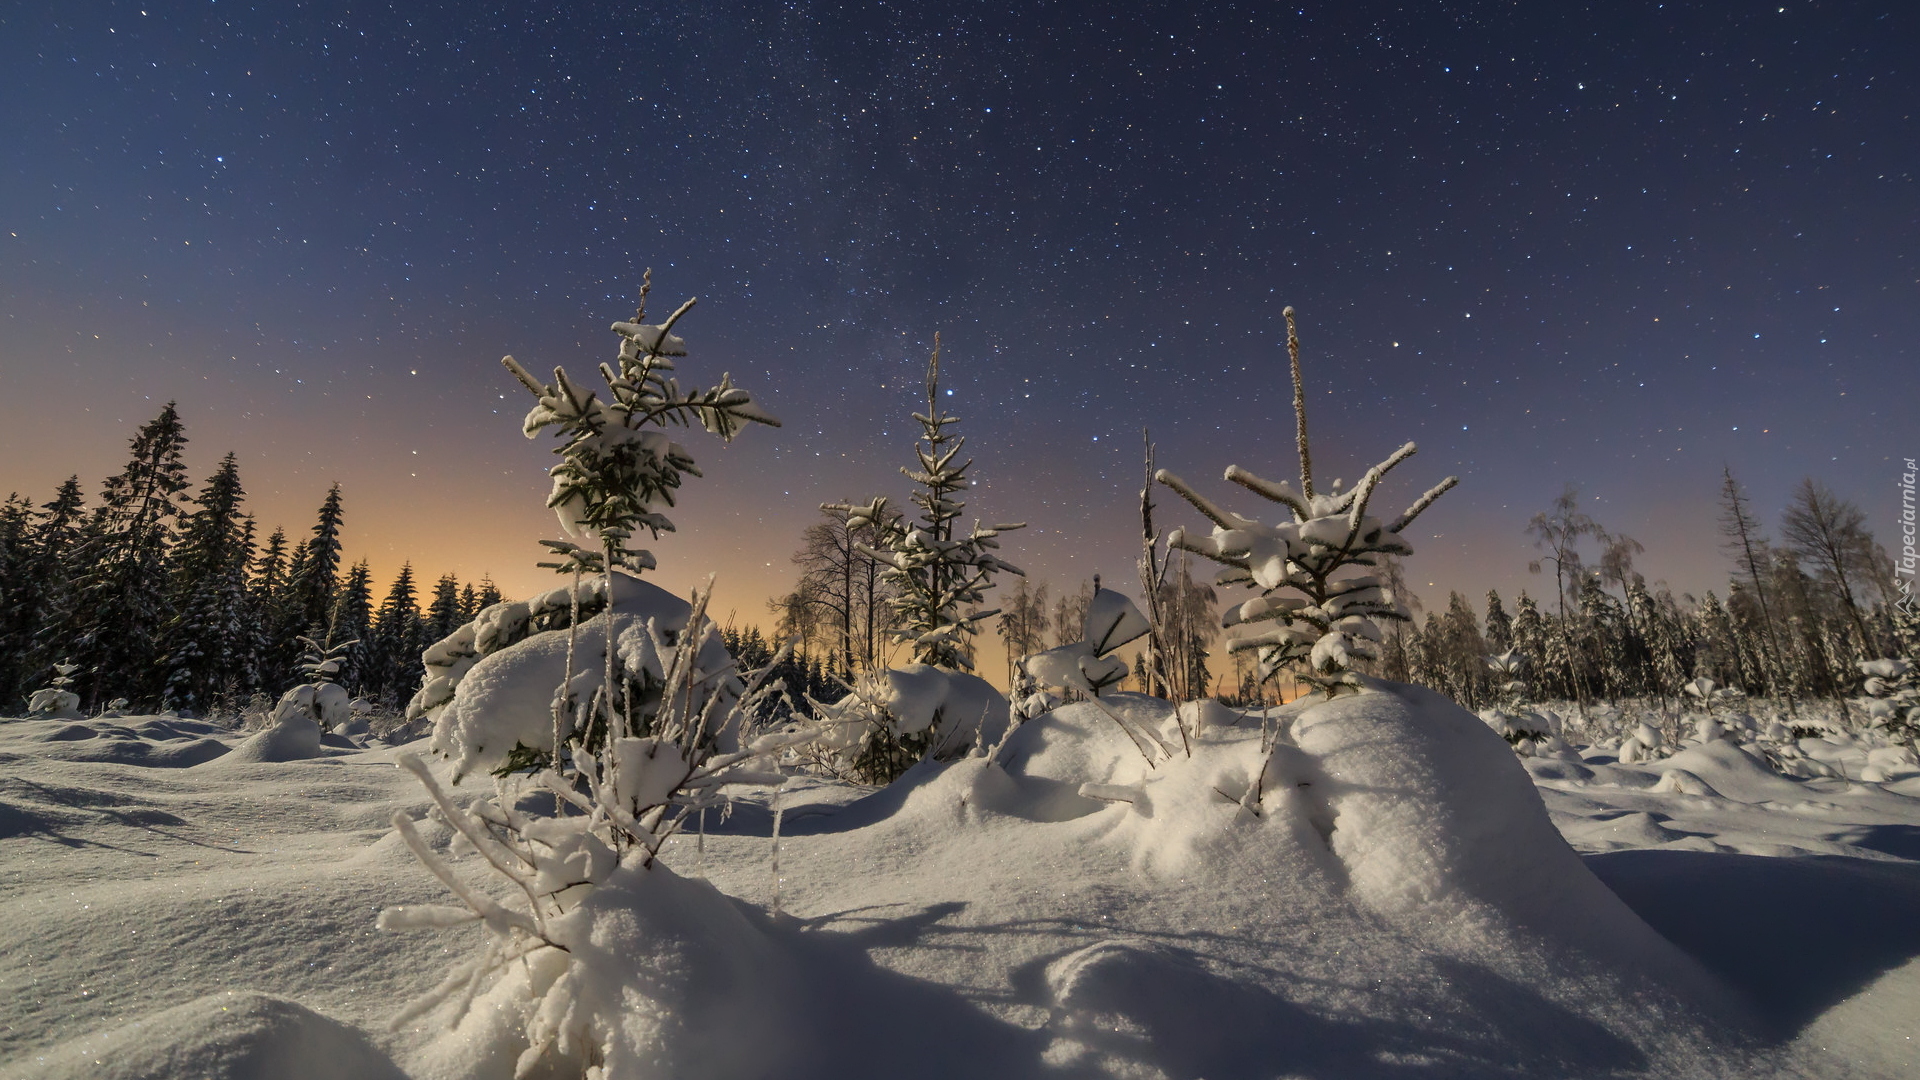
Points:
[1645,744]
[1893,697]
[1529,732]
[494,709]
[1086,666]
[550,989]
[1711,695]
[897,716]
[56,700]
[1330,623]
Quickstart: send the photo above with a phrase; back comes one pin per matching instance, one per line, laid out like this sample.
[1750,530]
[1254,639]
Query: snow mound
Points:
[660,971]
[965,706]
[1635,830]
[506,698]
[1728,772]
[1394,796]
[293,737]
[1434,818]
[230,1036]
[155,742]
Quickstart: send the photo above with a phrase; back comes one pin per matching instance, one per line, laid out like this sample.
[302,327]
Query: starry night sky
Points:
[1616,245]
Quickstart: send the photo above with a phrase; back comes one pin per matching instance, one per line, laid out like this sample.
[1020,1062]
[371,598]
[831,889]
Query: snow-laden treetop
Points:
[618,468]
[1330,621]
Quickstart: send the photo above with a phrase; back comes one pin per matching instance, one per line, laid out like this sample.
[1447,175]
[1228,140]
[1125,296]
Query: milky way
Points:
[1617,246]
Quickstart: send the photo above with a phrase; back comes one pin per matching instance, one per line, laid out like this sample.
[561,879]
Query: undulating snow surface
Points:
[1372,887]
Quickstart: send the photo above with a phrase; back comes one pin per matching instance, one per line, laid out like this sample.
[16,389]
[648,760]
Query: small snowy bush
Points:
[1085,666]
[1509,678]
[56,700]
[1893,697]
[587,867]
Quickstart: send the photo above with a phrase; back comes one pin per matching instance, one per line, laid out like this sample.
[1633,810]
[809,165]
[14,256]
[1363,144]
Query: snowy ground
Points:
[167,908]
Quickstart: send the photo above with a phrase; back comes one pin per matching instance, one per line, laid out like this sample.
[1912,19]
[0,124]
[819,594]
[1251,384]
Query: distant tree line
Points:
[838,615]
[167,597]
[1798,616]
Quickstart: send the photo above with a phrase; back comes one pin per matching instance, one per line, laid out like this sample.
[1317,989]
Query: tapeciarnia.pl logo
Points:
[1903,567]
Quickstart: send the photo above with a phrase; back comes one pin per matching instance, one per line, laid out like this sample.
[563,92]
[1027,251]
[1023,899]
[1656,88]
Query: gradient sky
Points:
[1615,245]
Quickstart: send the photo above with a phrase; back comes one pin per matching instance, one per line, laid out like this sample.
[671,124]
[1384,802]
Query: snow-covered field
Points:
[1391,901]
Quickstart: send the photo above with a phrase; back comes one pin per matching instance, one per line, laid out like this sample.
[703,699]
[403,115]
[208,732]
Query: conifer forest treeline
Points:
[166,595]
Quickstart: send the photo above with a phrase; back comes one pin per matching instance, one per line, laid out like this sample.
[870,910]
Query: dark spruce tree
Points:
[445,611]
[1499,626]
[395,642]
[312,579]
[44,604]
[16,604]
[352,621]
[123,578]
[316,576]
[206,639]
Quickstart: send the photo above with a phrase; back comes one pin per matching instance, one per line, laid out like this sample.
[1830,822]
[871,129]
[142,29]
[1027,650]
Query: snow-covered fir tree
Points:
[313,580]
[16,600]
[1530,641]
[939,578]
[445,611]
[37,604]
[56,700]
[618,473]
[1499,625]
[396,639]
[1331,620]
[318,698]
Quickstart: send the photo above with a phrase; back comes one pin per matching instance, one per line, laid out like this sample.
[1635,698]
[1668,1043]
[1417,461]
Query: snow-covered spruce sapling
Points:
[1330,623]
[621,802]
[56,700]
[1509,670]
[938,579]
[1524,729]
[319,699]
[619,470]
